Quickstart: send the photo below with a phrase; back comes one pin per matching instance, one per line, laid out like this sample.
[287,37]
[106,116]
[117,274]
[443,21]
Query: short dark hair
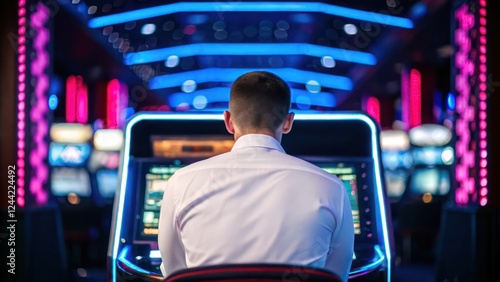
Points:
[259,100]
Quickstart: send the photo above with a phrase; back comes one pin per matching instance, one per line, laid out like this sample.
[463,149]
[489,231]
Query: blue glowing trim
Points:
[221,94]
[371,266]
[124,261]
[218,7]
[174,116]
[246,49]
[231,74]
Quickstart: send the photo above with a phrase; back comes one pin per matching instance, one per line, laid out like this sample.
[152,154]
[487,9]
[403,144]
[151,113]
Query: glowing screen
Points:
[156,182]
[430,180]
[348,176]
[107,182]
[68,154]
[396,182]
[64,180]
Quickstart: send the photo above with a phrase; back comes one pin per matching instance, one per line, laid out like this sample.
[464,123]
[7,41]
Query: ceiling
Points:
[186,54]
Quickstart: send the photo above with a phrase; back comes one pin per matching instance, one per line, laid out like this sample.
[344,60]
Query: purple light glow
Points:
[40,109]
[483,143]
[465,161]
[405,99]
[21,97]
[471,75]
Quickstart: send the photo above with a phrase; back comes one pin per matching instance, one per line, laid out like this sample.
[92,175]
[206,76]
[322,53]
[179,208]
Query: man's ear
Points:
[287,125]
[228,122]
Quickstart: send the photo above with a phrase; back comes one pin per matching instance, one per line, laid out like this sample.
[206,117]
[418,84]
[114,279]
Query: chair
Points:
[253,272]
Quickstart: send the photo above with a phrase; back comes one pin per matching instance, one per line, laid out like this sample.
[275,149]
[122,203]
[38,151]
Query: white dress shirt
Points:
[255,204]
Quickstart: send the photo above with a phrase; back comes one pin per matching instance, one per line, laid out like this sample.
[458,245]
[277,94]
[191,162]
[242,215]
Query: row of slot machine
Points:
[417,163]
[418,169]
[83,180]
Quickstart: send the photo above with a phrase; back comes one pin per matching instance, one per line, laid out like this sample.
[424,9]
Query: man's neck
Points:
[275,135]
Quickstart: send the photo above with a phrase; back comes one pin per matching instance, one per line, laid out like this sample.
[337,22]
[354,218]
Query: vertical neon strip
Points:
[123,104]
[21,103]
[405,99]
[71,93]
[465,127]
[81,102]
[483,142]
[373,108]
[112,103]
[415,98]
[40,125]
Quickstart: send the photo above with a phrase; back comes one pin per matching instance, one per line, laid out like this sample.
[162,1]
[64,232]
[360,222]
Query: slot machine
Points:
[103,164]
[431,176]
[156,145]
[428,187]
[71,185]
[397,160]
[69,152]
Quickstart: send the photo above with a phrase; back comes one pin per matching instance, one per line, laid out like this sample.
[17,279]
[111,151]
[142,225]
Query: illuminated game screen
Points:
[107,182]
[396,182]
[432,180]
[348,176]
[68,154]
[64,180]
[156,181]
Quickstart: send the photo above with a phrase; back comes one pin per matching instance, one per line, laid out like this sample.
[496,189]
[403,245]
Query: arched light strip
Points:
[221,94]
[217,7]
[123,172]
[231,74]
[246,49]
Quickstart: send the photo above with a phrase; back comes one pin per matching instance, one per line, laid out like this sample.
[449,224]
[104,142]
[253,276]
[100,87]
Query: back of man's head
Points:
[259,100]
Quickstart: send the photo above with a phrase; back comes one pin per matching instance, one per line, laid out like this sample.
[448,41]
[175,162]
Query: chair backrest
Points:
[253,272]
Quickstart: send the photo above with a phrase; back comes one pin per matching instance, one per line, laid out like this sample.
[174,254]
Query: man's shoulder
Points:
[307,167]
[212,162]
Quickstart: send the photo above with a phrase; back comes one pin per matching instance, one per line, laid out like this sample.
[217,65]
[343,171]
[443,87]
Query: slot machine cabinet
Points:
[156,145]
[397,160]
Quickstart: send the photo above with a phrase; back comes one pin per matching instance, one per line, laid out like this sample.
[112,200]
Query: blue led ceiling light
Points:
[231,74]
[246,49]
[221,94]
[218,7]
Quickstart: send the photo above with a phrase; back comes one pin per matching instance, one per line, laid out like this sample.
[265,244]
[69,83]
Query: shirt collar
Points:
[257,140]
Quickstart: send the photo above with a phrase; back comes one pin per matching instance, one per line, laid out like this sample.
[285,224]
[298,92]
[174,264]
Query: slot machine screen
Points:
[432,180]
[396,182]
[428,155]
[107,182]
[348,176]
[155,180]
[68,154]
[64,180]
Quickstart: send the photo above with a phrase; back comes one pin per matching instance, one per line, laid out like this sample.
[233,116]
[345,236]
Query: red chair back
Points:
[253,272]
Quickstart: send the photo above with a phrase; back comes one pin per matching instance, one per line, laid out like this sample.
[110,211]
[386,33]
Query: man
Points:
[256,204]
